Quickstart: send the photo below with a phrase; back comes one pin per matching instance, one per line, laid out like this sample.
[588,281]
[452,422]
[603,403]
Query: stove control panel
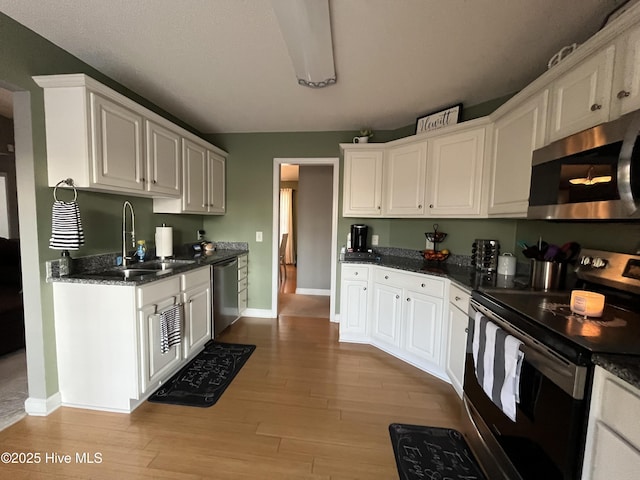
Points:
[593,262]
[616,270]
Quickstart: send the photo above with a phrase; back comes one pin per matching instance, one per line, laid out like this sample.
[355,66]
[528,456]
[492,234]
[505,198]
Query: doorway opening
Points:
[305,217]
[13,362]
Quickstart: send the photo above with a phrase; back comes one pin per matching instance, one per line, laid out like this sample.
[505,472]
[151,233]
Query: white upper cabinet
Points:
[164,160]
[581,98]
[626,82]
[195,188]
[404,180]
[217,194]
[106,142]
[362,192]
[203,182]
[454,173]
[515,136]
[116,136]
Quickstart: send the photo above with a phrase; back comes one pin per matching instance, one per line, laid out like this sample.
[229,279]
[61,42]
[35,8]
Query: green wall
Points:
[24,54]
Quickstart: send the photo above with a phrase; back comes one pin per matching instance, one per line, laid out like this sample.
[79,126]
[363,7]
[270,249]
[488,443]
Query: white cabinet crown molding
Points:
[83,80]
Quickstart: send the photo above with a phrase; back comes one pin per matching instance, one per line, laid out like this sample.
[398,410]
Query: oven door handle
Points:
[569,377]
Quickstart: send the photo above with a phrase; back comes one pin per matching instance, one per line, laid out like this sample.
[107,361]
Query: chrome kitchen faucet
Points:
[125,258]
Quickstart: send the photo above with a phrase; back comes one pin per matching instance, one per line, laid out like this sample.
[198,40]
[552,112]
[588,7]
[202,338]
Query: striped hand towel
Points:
[170,327]
[498,361]
[66,226]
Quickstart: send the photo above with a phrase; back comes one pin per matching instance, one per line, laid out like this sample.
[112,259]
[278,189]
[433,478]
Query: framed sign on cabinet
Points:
[438,119]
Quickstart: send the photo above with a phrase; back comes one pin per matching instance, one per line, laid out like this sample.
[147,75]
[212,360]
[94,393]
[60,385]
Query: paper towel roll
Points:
[164,242]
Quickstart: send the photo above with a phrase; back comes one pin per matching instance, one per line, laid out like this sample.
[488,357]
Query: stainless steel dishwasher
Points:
[225,294]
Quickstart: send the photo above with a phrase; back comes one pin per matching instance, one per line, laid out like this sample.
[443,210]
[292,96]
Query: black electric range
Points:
[547,315]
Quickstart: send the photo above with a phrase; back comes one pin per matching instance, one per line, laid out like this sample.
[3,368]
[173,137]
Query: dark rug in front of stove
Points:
[202,382]
[432,452]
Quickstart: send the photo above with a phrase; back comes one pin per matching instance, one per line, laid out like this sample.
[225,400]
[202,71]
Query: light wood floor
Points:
[303,407]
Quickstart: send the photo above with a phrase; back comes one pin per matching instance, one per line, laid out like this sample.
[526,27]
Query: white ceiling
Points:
[222,65]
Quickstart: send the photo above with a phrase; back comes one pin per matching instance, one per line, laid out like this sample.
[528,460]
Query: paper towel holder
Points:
[164,242]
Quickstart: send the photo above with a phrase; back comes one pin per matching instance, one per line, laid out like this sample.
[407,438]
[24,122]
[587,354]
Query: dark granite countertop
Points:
[623,366]
[94,272]
[465,276]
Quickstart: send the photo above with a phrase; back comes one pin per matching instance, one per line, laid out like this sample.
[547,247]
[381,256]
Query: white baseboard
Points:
[313,291]
[259,313]
[42,407]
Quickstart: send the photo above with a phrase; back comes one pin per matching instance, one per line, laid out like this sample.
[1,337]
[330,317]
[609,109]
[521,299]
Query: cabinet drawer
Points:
[618,400]
[242,273]
[415,282]
[242,261]
[355,272]
[162,289]
[242,284]
[459,297]
[242,300]
[196,277]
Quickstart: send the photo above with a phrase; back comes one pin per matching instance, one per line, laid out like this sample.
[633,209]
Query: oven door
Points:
[546,441]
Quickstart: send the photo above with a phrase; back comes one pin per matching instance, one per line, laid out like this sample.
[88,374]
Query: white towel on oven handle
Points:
[500,363]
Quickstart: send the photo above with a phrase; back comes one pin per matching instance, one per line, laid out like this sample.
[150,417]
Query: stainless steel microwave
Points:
[593,174]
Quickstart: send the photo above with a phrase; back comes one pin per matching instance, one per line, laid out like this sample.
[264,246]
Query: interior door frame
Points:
[275,266]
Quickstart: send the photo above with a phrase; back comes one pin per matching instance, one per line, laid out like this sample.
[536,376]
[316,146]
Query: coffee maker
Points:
[359,234]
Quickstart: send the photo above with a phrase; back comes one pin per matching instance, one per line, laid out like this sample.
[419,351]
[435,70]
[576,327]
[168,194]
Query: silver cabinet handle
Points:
[419,206]
[386,277]
[364,288]
[623,94]
[408,299]
[423,285]
[356,273]
[466,330]
[397,296]
[595,106]
[431,206]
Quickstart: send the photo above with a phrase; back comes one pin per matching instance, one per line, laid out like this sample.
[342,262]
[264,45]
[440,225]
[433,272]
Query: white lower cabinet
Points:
[154,365]
[613,434]
[457,336]
[197,311]
[387,310]
[108,338]
[404,315]
[354,300]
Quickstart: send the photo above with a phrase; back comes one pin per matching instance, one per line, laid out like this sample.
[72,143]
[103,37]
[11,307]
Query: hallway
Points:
[292,304]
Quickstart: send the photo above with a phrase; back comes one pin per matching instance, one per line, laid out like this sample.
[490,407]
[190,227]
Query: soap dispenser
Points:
[141,252]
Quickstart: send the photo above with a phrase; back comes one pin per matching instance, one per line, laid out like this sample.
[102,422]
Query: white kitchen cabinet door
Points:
[404,180]
[422,325]
[197,319]
[581,98]
[362,192]
[155,365]
[613,435]
[117,159]
[195,173]
[164,160]
[626,81]
[456,343]
[515,136]
[454,173]
[216,188]
[354,302]
[387,311]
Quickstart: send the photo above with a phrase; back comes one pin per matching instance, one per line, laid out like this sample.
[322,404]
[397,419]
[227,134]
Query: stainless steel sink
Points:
[138,271]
